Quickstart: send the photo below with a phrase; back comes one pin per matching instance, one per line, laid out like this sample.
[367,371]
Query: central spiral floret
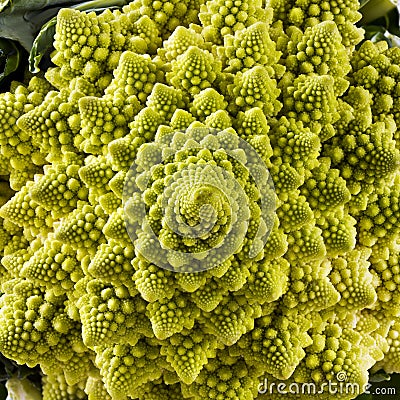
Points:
[204,208]
[200,214]
[198,201]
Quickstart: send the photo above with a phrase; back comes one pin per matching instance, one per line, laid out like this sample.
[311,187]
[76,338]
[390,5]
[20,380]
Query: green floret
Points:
[82,43]
[232,318]
[123,151]
[83,86]
[251,123]
[109,314]
[194,70]
[102,122]
[148,156]
[285,178]
[276,343]
[82,229]
[276,244]
[135,75]
[306,244]
[367,159]
[180,40]
[224,377]
[117,184]
[96,390]
[335,354]
[165,100]
[381,62]
[339,232]
[255,88]
[352,279]
[268,280]
[126,368]
[392,355]
[5,237]
[112,263]
[35,92]
[56,388]
[235,276]
[366,77]
[249,47]
[120,31]
[19,157]
[96,174]
[309,288]
[262,146]
[207,102]
[191,281]
[219,120]
[294,211]
[76,366]
[60,188]
[167,15]
[188,203]
[14,262]
[153,283]
[53,76]
[294,144]
[18,240]
[21,177]
[145,124]
[115,228]
[320,51]
[35,329]
[208,296]
[220,18]
[146,32]
[308,13]
[23,211]
[188,352]
[377,69]
[55,265]
[364,55]
[312,100]
[386,270]
[157,390]
[109,202]
[48,124]
[381,218]
[170,316]
[325,189]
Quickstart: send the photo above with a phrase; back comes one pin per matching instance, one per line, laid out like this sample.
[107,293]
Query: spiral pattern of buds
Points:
[193,199]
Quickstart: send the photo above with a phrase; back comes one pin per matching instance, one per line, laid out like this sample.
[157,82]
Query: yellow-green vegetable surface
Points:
[200,200]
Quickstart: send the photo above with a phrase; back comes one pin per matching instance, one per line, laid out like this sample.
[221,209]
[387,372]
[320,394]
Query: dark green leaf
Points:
[9,58]
[44,40]
[42,44]
[380,376]
[373,9]
[3,392]
[376,33]
[17,21]
[365,397]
